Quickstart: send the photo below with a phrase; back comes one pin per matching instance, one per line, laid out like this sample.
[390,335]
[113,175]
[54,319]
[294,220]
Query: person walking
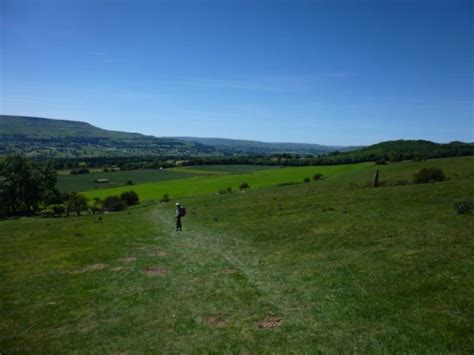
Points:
[178,215]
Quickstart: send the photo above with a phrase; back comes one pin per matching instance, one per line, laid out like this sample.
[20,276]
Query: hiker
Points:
[180,212]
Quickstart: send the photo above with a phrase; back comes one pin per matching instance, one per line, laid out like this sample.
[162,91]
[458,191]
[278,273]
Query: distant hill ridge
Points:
[45,137]
[51,138]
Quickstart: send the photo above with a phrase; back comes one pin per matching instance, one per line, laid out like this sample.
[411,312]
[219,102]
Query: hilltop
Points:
[242,146]
[50,138]
[44,137]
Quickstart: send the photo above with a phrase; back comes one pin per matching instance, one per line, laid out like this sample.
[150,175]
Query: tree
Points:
[25,184]
[130,197]
[75,202]
[114,203]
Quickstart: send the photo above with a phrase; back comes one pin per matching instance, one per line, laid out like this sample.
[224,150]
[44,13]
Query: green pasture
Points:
[347,175]
[82,182]
[225,169]
[324,267]
[212,183]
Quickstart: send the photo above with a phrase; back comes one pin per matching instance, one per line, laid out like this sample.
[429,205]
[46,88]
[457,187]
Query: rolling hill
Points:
[256,147]
[44,137]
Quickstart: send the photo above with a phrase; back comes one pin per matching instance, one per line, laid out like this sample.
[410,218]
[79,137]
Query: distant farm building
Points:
[102,181]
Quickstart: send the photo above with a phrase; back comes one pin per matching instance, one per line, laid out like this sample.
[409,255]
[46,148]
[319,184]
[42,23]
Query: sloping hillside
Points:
[400,150]
[255,147]
[42,137]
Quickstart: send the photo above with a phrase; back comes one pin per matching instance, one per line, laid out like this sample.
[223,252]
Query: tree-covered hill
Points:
[399,150]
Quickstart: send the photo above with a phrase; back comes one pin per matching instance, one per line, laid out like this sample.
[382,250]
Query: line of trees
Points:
[393,151]
[27,187]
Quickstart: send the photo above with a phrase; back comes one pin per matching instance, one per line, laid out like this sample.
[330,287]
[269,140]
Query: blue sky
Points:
[331,72]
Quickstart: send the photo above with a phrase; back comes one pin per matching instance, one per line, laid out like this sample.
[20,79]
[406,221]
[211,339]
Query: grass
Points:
[82,182]
[349,175]
[345,268]
[212,183]
[225,169]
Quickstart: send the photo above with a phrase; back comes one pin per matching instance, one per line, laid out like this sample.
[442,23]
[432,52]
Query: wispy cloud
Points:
[271,83]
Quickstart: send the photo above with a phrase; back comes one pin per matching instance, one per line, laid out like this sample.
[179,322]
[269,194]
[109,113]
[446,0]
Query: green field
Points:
[348,175]
[327,266]
[82,182]
[212,183]
[225,169]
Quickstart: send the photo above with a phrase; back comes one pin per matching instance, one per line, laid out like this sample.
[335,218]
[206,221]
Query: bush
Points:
[229,190]
[306,179]
[244,185]
[381,161]
[426,175]
[47,213]
[317,176]
[465,206]
[129,182]
[58,209]
[221,191]
[165,198]
[75,202]
[114,203]
[130,197]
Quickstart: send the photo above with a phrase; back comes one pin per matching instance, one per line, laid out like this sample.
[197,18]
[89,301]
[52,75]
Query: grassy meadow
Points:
[326,266]
[83,182]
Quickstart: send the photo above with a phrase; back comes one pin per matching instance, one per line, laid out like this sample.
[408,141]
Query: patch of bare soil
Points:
[158,253]
[128,259]
[91,267]
[219,323]
[270,322]
[154,271]
[118,268]
[229,271]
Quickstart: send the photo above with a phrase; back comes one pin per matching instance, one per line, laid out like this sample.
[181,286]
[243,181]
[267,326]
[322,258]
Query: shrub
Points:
[47,213]
[465,206]
[114,203]
[426,175]
[58,209]
[129,182]
[306,179]
[229,190]
[317,176]
[244,185]
[381,161]
[75,202]
[165,198]
[130,197]
[221,191]
[96,205]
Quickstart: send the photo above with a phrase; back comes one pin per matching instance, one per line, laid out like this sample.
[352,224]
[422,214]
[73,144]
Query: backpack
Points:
[182,213]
